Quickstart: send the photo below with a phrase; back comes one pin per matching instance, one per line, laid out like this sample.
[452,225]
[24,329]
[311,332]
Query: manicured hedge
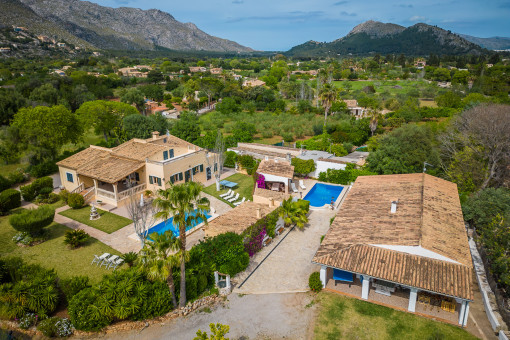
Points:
[33,221]
[4,183]
[9,199]
[31,191]
[75,200]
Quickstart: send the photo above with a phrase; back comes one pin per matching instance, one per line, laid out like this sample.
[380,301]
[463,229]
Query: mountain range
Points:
[89,25]
[384,38]
[493,43]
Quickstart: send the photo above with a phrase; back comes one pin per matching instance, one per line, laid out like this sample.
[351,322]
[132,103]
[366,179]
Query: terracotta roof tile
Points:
[110,169]
[84,157]
[277,168]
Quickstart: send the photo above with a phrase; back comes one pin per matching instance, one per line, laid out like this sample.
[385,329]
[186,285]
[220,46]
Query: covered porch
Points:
[394,295]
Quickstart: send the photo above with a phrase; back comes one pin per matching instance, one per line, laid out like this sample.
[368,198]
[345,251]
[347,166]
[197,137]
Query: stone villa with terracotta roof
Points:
[398,240]
[113,175]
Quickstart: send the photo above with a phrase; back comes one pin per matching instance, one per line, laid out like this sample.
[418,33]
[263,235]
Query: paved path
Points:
[288,267]
[271,316]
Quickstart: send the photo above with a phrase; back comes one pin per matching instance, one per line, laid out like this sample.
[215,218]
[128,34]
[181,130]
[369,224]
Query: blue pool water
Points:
[160,228]
[322,194]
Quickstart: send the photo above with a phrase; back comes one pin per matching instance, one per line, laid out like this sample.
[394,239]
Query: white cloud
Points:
[418,18]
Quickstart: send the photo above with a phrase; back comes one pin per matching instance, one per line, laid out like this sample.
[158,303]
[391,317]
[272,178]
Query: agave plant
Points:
[130,258]
[75,238]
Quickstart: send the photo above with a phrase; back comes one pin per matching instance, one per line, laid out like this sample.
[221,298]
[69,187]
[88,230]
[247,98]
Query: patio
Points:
[398,299]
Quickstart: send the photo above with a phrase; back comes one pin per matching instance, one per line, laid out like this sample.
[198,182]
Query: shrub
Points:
[314,282]
[31,191]
[288,137]
[64,195]
[75,238]
[75,200]
[130,258]
[230,159]
[28,320]
[303,167]
[191,287]
[56,327]
[29,289]
[9,199]
[343,176]
[122,295]
[71,287]
[4,183]
[44,193]
[28,192]
[248,163]
[17,177]
[202,283]
[33,221]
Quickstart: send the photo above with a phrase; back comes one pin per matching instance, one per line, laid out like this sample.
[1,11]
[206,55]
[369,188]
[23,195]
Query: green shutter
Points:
[159,181]
[180,176]
[201,168]
[151,181]
[171,153]
[165,155]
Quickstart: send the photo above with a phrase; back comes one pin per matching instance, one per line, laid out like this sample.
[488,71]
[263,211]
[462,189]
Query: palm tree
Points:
[183,202]
[159,257]
[374,115]
[292,213]
[328,95]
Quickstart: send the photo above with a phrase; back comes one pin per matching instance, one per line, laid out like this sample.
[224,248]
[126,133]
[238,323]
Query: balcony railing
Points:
[105,193]
[131,191]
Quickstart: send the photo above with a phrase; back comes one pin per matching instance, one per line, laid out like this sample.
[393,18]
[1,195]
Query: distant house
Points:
[61,44]
[237,76]
[132,72]
[356,110]
[44,39]
[5,49]
[60,72]
[253,83]
[112,175]
[400,241]
[420,63]
[151,107]
[195,69]
[217,70]
[96,54]
[18,28]
[311,72]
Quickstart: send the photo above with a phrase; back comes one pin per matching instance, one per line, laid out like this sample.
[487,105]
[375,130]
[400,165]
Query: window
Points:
[171,153]
[201,167]
[69,177]
[159,181]
[155,180]
[151,180]
[165,155]
[164,140]
[195,170]
[175,178]
[180,176]
[137,177]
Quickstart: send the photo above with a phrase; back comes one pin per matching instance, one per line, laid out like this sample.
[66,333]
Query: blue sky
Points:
[281,24]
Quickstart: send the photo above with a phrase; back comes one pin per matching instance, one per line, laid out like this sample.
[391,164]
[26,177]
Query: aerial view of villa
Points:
[254,170]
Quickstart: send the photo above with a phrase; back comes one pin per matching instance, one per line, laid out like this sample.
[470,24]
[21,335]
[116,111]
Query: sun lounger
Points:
[302,184]
[228,193]
[235,198]
[240,202]
[98,259]
[114,264]
[293,186]
[232,194]
[106,262]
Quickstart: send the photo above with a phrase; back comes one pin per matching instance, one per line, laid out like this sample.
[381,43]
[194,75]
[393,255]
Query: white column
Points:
[228,282]
[216,277]
[95,188]
[366,287]
[466,314]
[323,275]
[462,311]
[412,300]
[115,190]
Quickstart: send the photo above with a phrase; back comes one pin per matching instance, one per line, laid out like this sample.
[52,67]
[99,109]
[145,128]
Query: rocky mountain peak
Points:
[377,29]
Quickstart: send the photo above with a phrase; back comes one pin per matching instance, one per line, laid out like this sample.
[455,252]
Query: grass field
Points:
[341,317]
[391,86]
[108,222]
[244,187]
[53,253]
[6,169]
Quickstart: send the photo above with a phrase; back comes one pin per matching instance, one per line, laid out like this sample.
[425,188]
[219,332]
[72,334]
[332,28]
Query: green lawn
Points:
[340,317]
[244,187]
[392,86]
[6,169]
[53,253]
[108,222]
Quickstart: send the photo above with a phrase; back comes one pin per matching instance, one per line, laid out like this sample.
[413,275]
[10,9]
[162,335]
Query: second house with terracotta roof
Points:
[112,175]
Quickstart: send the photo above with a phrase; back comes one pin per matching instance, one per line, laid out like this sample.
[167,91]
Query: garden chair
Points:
[114,264]
[108,261]
[302,184]
[98,259]
[293,186]
[228,193]
[240,202]
[235,198]
[226,198]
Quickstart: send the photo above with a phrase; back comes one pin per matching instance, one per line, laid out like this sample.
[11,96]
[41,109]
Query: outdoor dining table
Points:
[228,184]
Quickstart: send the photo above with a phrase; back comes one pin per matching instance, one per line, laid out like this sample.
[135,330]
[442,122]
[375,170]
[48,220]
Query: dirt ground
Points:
[254,316]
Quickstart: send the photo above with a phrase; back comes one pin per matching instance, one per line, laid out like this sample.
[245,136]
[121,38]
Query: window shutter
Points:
[171,153]
[151,181]
[165,155]
[180,176]
[137,176]
[159,181]
[172,179]
[201,168]
[70,177]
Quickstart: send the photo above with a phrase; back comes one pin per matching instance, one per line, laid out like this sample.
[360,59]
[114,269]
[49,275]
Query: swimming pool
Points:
[322,194]
[160,228]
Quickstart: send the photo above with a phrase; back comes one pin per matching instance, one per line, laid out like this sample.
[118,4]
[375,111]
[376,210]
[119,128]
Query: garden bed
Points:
[108,222]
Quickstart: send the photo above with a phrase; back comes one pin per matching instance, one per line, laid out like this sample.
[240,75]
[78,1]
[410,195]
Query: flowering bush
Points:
[28,320]
[254,244]
[261,183]
[56,326]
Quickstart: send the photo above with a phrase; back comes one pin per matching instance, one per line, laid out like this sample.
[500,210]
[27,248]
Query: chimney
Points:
[259,214]
[155,135]
[394,207]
